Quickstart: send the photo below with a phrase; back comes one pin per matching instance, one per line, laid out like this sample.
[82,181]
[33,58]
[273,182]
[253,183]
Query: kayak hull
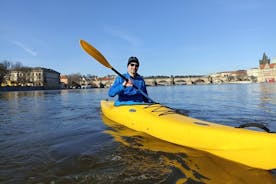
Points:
[252,148]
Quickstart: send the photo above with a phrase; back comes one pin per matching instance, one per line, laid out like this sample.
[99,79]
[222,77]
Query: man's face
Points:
[132,68]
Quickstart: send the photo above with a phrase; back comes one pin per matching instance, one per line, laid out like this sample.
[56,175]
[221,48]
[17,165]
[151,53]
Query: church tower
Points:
[264,60]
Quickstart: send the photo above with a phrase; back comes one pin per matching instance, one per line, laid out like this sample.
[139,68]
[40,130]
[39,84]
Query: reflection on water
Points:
[15,95]
[268,97]
[179,164]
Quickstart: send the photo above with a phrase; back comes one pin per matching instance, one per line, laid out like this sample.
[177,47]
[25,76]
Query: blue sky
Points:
[170,37]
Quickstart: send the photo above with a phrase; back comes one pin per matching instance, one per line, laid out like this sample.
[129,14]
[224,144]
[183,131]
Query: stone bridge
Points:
[165,81]
[185,80]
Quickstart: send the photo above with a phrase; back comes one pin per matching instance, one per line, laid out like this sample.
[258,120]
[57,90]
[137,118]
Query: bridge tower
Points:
[264,60]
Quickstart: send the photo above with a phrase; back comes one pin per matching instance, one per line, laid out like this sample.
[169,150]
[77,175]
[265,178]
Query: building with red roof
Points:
[267,70]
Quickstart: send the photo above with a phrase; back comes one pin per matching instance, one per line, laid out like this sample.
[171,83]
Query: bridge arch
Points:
[180,82]
[199,81]
[163,82]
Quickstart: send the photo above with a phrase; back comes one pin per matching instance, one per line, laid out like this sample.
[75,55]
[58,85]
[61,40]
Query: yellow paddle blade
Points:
[92,51]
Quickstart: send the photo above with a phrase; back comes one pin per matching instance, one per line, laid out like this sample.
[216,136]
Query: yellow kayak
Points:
[190,162]
[252,148]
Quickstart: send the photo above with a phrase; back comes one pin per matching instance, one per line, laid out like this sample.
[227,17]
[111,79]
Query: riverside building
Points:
[267,70]
[38,76]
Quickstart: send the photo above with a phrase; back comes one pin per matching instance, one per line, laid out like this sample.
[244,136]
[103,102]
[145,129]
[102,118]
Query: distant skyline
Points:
[178,37]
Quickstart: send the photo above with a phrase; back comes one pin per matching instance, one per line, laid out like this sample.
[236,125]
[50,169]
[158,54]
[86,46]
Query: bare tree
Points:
[3,72]
[74,80]
[16,66]
[7,64]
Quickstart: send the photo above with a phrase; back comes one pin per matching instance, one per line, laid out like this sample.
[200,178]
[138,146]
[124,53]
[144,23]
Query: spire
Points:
[265,57]
[264,60]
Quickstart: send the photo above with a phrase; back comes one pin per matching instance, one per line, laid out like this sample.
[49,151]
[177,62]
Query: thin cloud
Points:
[132,40]
[24,47]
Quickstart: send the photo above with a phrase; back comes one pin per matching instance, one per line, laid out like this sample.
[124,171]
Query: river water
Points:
[61,137]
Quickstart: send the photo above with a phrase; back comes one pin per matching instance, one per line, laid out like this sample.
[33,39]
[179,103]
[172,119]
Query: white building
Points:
[253,72]
[267,70]
[47,78]
[267,73]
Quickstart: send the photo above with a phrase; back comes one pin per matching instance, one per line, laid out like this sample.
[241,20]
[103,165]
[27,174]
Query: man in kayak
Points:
[127,94]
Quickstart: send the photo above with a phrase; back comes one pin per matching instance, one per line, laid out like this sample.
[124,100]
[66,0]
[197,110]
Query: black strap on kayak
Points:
[257,125]
[158,108]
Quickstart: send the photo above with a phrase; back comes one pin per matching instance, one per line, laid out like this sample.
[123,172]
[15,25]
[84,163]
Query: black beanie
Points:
[132,59]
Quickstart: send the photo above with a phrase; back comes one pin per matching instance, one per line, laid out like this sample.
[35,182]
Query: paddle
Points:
[92,51]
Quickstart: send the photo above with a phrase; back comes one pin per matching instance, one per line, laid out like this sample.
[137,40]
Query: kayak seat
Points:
[257,125]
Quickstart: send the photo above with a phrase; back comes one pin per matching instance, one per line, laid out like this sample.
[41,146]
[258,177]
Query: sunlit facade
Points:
[267,70]
[44,77]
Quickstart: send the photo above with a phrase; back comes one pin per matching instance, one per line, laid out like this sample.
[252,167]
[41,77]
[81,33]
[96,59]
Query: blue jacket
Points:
[128,93]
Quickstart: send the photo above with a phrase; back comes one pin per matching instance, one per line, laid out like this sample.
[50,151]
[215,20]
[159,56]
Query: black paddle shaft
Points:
[135,87]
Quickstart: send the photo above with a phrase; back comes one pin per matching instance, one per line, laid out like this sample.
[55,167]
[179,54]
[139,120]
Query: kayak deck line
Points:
[164,111]
[158,108]
[253,148]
